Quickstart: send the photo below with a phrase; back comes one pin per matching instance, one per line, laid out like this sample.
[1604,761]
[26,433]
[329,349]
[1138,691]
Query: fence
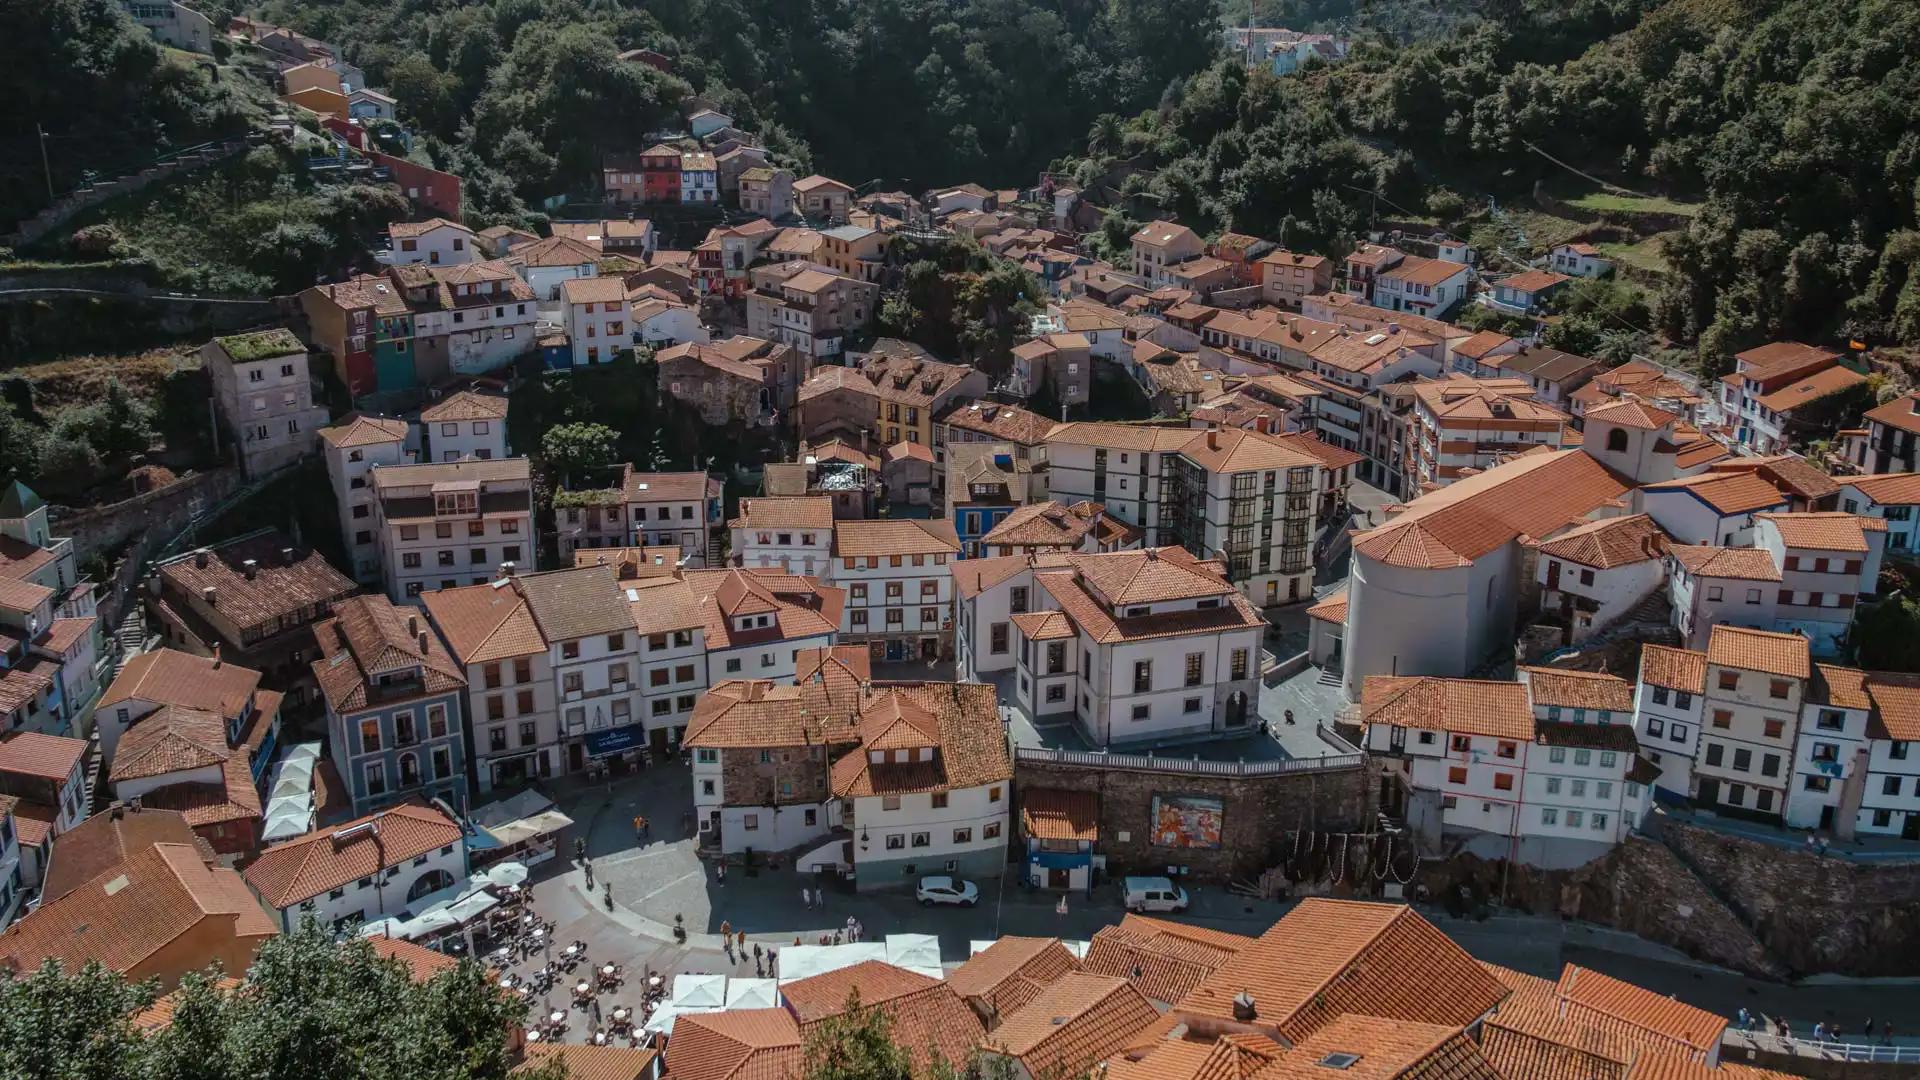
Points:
[1192,766]
[1825,1050]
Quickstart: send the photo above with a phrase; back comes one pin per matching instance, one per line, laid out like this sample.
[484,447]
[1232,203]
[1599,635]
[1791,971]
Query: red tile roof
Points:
[302,868]
[1075,1021]
[1740,564]
[1534,495]
[1456,706]
[1166,960]
[1675,669]
[1759,650]
[49,757]
[1012,971]
[1609,543]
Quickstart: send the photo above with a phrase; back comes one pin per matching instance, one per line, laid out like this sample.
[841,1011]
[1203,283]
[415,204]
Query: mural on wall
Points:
[1187,821]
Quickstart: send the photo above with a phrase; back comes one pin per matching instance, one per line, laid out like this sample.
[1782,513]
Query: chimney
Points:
[1153,554]
[286,556]
[210,595]
[117,811]
[1263,424]
[413,624]
[200,558]
[506,569]
[216,651]
[1213,438]
[1393,328]
[250,567]
[423,642]
[1243,1007]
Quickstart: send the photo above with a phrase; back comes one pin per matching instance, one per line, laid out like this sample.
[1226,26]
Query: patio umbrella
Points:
[507,873]
[699,992]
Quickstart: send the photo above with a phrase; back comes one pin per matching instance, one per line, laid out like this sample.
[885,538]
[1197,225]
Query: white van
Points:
[1154,894]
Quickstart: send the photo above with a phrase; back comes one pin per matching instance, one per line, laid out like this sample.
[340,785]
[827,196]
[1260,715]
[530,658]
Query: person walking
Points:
[806,898]
[589,869]
[720,872]
[743,943]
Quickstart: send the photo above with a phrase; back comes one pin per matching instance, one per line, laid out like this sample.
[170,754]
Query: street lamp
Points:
[865,841]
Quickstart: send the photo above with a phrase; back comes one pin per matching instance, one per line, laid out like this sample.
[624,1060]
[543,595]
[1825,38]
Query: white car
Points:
[946,890]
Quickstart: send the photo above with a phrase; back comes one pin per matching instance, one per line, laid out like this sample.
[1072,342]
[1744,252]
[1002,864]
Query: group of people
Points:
[1822,1031]
[734,942]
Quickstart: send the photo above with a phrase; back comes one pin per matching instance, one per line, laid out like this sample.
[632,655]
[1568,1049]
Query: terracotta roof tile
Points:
[1326,958]
[1820,384]
[171,739]
[1588,992]
[369,634]
[1534,495]
[286,582]
[587,1062]
[1728,493]
[1171,958]
[1759,650]
[1046,524]
[1632,413]
[1385,1049]
[1571,689]
[170,677]
[1902,413]
[1889,489]
[801,512]
[1004,976]
[1609,543]
[46,757]
[927,1014]
[365,431]
[1056,814]
[884,537]
[469,404]
[421,962]
[1455,706]
[1044,625]
[1823,531]
[302,868]
[1075,1021]
[484,623]
[738,1044]
[1675,669]
[1740,564]
[1003,423]
[1533,280]
[1332,609]
[1896,706]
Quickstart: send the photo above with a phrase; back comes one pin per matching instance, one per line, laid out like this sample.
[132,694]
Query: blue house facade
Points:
[393,696]
[985,483]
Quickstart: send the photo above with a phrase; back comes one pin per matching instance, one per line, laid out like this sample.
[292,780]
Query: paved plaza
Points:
[662,877]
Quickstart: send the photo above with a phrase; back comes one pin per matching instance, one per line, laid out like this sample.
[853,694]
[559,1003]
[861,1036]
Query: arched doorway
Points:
[430,882]
[1236,708]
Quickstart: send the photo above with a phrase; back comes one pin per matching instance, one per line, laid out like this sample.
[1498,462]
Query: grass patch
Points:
[1601,202]
[1647,255]
[82,380]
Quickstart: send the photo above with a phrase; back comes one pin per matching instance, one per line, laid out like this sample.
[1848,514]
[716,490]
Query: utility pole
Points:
[45,168]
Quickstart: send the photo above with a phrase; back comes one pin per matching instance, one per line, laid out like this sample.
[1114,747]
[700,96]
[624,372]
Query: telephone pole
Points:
[45,168]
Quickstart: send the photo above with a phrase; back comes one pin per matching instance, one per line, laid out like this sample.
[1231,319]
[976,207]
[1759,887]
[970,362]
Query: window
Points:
[1655,727]
[1599,821]
[1195,668]
[376,778]
[1722,718]
[369,735]
[1742,759]
[1890,786]
[1549,816]
[1190,705]
[896,842]
[1775,728]
[1602,789]
[1660,695]
[1503,781]
[1456,775]
[1557,754]
[1729,680]
[1553,785]
[1142,676]
[963,836]
[1770,765]
[1777,688]
[1607,758]
[1831,720]
[1715,753]
[1140,712]
[1507,749]
[1682,699]
[991,830]
[1574,818]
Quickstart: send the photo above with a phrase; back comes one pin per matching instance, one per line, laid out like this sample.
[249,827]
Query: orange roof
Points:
[1149,576]
[1332,609]
[1821,384]
[928,1015]
[1902,412]
[473,405]
[1759,650]
[1044,625]
[1326,958]
[589,1062]
[1825,531]
[1533,495]
[1480,344]
[1456,706]
[737,1044]
[170,677]
[134,909]
[48,757]
[421,962]
[1046,524]
[1166,960]
[1740,564]
[1587,991]
[1382,1049]
[797,512]
[1675,669]
[1571,689]
[1093,616]
[307,866]
[485,623]
[358,430]
[1609,543]
[1727,492]
[1896,706]
[1629,412]
[1888,489]
[1075,1021]
[1237,1056]
[885,536]
[1532,280]
[1054,814]
[1011,972]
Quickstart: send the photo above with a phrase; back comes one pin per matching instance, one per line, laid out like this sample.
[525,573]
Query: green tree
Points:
[1886,636]
[125,423]
[57,1026]
[19,444]
[856,1044]
[579,448]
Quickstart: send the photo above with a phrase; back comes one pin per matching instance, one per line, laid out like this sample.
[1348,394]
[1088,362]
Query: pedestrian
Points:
[1289,717]
[589,868]
[1744,1018]
[726,930]
[1869,1029]
[743,942]
[836,937]
[796,939]
[806,898]
[756,952]
[1886,1033]
[721,872]
[1819,1031]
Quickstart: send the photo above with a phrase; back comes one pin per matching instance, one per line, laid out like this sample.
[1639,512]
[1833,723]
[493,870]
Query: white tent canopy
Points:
[699,992]
[289,809]
[916,952]
[522,817]
[804,961]
[753,994]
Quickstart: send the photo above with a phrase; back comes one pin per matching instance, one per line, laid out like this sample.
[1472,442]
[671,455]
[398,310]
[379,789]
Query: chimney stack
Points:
[423,642]
[250,567]
[200,558]
[210,595]
[413,624]
[1213,438]
[286,556]
[506,569]
[216,651]
[1243,1007]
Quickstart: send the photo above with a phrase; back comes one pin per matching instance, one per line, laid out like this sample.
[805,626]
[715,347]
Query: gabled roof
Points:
[792,512]
[44,757]
[469,404]
[134,909]
[1609,543]
[485,623]
[108,838]
[1384,1049]
[1824,531]
[1011,972]
[579,602]
[1326,958]
[359,430]
[1759,650]
[1585,991]
[307,866]
[880,536]
[420,228]
[928,1016]
[170,677]
[1570,689]
[1533,495]
[1454,706]
[1166,960]
[1630,412]
[1821,384]
[736,1044]
[1888,489]
[1902,413]
[369,635]
[286,587]
[1676,669]
[1726,492]
[1740,564]
[171,739]
[1076,1020]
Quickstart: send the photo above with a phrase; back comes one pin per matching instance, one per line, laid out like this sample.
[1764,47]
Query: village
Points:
[1240,676]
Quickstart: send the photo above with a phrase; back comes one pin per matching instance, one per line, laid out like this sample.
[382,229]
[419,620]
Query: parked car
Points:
[946,890]
[1153,894]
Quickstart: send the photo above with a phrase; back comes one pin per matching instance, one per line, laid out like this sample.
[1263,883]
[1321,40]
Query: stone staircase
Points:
[130,637]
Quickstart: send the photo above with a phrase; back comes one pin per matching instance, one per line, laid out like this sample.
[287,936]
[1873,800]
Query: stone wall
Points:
[1257,814]
[1754,907]
[157,514]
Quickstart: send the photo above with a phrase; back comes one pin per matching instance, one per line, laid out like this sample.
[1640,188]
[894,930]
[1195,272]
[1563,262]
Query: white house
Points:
[1712,508]
[699,178]
[264,388]
[1720,586]
[468,319]
[1756,681]
[1890,805]
[759,623]
[1598,572]
[353,450]
[1829,562]
[389,864]
[794,534]
[1579,260]
[1891,498]
[441,524]
[899,590]
[660,323]
[1668,702]
[1430,287]
[544,264]
[466,424]
[1831,755]
[436,242]
[515,727]
[598,319]
[1452,752]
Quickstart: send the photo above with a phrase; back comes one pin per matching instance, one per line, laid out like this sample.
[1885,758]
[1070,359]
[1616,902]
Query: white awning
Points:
[803,961]
[753,994]
[699,992]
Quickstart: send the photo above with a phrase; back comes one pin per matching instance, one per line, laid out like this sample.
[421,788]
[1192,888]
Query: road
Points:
[654,882]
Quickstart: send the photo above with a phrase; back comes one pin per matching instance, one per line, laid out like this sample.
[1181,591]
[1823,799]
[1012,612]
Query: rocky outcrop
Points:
[1760,908]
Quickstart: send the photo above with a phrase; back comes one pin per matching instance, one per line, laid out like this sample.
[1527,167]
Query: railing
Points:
[1825,1050]
[1041,755]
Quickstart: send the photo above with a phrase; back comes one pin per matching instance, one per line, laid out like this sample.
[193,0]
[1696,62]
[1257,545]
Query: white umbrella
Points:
[507,873]
[699,991]
[752,994]
[392,928]
[474,904]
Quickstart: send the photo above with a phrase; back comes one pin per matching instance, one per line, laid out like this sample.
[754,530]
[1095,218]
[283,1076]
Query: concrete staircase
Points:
[130,637]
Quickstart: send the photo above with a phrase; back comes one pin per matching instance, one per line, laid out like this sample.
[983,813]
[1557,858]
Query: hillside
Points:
[1776,162]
